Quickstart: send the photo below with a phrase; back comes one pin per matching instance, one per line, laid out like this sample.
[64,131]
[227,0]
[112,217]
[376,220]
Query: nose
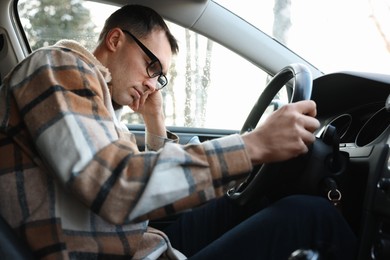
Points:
[151,84]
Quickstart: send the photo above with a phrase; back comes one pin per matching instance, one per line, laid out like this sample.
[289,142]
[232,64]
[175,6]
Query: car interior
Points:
[349,162]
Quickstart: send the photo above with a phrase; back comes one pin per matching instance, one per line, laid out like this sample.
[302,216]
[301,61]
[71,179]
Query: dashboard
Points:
[357,105]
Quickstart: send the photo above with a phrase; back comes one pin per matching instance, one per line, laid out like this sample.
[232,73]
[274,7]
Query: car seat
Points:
[12,247]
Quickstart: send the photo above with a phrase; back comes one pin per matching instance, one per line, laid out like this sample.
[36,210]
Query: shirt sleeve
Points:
[155,142]
[64,102]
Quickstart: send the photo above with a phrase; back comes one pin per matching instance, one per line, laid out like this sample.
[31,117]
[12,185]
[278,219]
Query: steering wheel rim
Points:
[301,91]
[256,183]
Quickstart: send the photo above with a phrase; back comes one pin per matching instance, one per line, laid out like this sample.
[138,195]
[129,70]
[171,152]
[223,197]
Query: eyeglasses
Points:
[154,68]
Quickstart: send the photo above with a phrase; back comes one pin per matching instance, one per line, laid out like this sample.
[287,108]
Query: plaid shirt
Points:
[72,180]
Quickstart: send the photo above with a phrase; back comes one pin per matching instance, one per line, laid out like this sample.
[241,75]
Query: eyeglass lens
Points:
[154,69]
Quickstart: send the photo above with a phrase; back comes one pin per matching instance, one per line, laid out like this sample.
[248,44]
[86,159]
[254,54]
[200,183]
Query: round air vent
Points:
[373,128]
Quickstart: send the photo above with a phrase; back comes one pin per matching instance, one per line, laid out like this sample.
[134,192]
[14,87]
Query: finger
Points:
[307,107]
[135,105]
[311,124]
[308,137]
[143,99]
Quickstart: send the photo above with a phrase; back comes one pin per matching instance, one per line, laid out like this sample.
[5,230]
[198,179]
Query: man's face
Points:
[131,84]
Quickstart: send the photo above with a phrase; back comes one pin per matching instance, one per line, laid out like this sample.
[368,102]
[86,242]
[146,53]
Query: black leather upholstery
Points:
[12,247]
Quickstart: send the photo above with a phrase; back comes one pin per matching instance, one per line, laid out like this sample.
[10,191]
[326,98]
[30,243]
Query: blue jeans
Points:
[223,230]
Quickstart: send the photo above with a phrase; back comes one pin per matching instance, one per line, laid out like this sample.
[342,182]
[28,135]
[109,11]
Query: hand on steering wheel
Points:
[288,176]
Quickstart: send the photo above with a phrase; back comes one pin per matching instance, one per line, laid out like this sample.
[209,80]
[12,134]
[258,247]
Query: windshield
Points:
[333,35]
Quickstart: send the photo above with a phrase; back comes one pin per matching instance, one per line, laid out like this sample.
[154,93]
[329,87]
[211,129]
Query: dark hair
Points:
[140,21]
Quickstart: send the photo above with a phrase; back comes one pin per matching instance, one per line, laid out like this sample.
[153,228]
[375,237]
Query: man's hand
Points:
[285,134]
[149,104]
[150,107]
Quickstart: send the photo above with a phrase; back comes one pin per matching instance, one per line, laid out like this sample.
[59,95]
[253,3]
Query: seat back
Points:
[11,246]
[2,44]
[8,58]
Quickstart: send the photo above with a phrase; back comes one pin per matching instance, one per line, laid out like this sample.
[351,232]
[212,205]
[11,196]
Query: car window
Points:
[209,85]
[333,35]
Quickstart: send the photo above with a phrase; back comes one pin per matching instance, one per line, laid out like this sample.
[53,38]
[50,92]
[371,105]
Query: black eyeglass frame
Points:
[162,79]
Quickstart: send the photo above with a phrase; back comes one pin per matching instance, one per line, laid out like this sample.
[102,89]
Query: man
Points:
[74,184]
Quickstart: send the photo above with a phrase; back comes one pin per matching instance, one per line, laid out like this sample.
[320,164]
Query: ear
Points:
[113,39]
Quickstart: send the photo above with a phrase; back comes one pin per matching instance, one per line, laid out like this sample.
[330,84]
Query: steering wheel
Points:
[301,91]
[303,174]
